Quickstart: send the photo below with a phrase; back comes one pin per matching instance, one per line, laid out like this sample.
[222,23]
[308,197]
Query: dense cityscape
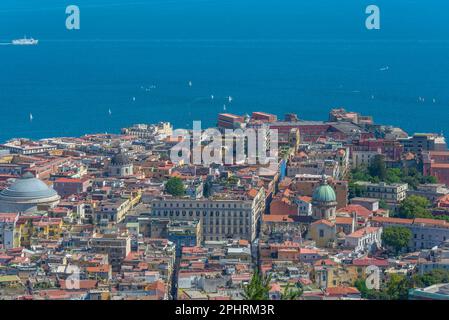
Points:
[351,210]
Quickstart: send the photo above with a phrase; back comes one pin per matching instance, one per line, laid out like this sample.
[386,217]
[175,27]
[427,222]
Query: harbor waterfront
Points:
[137,60]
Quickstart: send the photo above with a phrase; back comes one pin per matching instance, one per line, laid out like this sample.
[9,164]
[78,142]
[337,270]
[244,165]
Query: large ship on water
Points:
[25,42]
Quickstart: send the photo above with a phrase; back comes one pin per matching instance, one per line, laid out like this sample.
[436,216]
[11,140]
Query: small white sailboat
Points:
[434,100]
[190,83]
[224,107]
[230,99]
[212,97]
[31,117]
[110,112]
[134,98]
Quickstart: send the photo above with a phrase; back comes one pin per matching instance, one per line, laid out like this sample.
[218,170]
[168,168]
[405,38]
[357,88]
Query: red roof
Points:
[8,217]
[392,220]
[275,287]
[100,268]
[68,180]
[435,222]
[341,291]
[361,232]
[343,220]
[277,218]
[370,262]
[424,221]
[305,199]
[358,209]
[440,165]
[325,262]
[83,284]
[308,251]
[323,221]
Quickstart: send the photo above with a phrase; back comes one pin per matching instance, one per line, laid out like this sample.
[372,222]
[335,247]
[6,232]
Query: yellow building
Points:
[37,227]
[330,274]
[323,232]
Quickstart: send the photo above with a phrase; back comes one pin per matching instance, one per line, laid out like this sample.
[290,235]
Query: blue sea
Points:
[136,58]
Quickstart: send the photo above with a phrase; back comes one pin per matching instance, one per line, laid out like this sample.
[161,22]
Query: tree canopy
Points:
[378,172]
[175,187]
[397,286]
[414,207]
[291,293]
[258,288]
[430,278]
[396,238]
[378,168]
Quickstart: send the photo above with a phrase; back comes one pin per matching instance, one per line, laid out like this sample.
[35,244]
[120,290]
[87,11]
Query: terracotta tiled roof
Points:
[361,232]
[100,268]
[391,220]
[83,284]
[323,221]
[338,291]
[343,220]
[305,199]
[358,209]
[325,262]
[277,218]
[370,262]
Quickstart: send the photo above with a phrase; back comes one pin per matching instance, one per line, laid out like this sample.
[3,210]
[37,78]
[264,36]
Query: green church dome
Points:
[324,193]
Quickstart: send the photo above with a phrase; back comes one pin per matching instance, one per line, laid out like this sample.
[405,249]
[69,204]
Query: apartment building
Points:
[422,142]
[426,233]
[392,194]
[314,167]
[221,218]
[364,158]
[115,246]
[366,239]
[435,258]
[431,192]
[8,234]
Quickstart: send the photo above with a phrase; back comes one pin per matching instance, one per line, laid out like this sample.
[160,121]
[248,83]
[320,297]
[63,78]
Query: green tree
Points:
[291,293]
[377,167]
[360,174]
[430,278]
[360,284]
[397,287]
[356,190]
[385,293]
[396,237]
[258,288]
[383,204]
[429,179]
[394,175]
[207,189]
[412,182]
[415,207]
[175,187]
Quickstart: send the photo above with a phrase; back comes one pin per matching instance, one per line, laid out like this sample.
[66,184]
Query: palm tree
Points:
[258,288]
[291,293]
